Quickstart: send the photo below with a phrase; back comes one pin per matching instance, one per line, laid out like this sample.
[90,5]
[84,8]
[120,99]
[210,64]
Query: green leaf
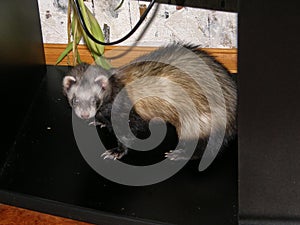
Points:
[96,31]
[90,43]
[78,33]
[97,50]
[78,57]
[84,13]
[74,26]
[65,53]
[101,61]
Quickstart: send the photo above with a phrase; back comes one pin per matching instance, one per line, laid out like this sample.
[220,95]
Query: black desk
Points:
[45,171]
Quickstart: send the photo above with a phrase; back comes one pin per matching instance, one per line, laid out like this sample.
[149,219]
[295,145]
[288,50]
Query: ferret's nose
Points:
[85,115]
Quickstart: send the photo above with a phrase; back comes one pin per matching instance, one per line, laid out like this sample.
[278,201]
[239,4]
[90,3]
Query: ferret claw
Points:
[176,155]
[107,156]
[113,154]
[96,123]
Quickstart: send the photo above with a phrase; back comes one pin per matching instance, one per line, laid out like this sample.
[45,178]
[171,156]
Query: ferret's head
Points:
[85,87]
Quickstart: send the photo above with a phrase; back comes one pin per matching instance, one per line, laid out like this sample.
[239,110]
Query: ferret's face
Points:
[85,105]
[85,93]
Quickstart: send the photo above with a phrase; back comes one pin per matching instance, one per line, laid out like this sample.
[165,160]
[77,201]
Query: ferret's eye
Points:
[93,100]
[75,101]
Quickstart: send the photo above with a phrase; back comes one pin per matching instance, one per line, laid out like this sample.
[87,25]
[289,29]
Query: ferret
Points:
[181,85]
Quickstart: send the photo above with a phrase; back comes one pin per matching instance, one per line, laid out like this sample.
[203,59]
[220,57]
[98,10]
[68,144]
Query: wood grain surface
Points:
[120,55]
[10,215]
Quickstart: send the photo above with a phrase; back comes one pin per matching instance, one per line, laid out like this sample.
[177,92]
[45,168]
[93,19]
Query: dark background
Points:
[269,112]
[21,63]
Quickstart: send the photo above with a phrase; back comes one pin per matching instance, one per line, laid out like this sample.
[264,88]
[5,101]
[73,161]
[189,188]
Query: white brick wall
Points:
[213,29]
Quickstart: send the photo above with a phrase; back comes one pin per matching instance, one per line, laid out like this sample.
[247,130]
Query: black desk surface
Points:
[45,171]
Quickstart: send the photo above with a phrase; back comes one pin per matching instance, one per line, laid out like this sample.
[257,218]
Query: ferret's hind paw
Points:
[114,154]
[96,123]
[176,155]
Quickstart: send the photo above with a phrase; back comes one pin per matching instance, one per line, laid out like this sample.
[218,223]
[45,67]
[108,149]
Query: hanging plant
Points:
[76,34]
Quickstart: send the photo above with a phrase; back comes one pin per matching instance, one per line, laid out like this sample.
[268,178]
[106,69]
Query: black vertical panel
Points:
[22,65]
[269,112]
[20,33]
[222,5]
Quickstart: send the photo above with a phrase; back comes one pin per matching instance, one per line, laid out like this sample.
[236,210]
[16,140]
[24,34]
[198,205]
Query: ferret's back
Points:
[177,78]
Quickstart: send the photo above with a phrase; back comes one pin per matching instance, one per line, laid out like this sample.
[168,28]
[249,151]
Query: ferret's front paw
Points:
[96,123]
[114,153]
[176,155]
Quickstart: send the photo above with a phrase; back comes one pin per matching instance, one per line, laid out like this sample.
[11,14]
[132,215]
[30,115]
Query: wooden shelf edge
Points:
[121,55]
[11,215]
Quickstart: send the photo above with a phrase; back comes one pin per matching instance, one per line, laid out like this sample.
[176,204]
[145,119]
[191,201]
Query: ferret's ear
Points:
[68,81]
[102,81]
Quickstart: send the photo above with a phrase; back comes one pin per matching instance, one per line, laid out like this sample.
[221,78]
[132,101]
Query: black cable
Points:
[86,30]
